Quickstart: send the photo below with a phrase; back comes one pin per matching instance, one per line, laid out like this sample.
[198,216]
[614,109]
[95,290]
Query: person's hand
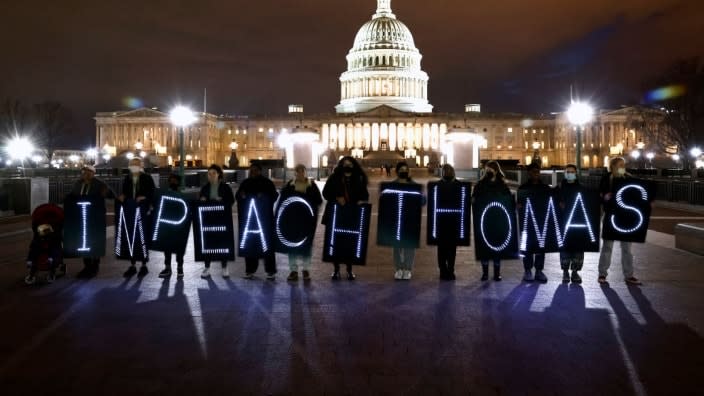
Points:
[607,196]
[140,198]
[341,201]
[218,199]
[562,205]
[202,199]
[121,198]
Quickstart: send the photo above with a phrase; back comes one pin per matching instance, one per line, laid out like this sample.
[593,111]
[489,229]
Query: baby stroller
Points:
[45,250]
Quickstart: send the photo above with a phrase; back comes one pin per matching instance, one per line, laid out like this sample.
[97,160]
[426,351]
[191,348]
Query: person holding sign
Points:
[404,257]
[570,259]
[174,187]
[258,186]
[218,191]
[139,187]
[617,172]
[492,184]
[447,244]
[305,188]
[346,186]
[90,186]
[534,185]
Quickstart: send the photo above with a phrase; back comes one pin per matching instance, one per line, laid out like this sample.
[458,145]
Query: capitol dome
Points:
[384,68]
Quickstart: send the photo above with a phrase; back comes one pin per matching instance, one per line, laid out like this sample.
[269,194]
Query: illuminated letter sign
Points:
[255,220]
[628,215]
[84,226]
[449,214]
[295,225]
[543,236]
[400,206]
[213,232]
[347,233]
[129,231]
[581,221]
[172,224]
[495,228]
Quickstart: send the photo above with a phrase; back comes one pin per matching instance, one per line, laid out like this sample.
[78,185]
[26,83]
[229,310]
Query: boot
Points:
[497,272]
[485,272]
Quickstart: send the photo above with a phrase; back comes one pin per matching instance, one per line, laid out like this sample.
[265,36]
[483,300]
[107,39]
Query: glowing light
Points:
[635,154]
[160,220]
[129,156]
[84,226]
[19,148]
[399,215]
[91,153]
[664,93]
[359,232]
[540,234]
[182,116]
[619,202]
[695,152]
[437,211]
[288,202]
[650,156]
[132,102]
[506,242]
[131,239]
[204,229]
[676,157]
[580,113]
[579,201]
[259,230]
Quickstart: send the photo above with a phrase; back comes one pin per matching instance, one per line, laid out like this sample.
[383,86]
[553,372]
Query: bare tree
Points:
[53,123]
[15,119]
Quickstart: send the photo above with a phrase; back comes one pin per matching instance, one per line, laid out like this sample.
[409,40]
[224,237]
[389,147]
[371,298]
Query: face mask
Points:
[621,171]
[403,175]
[570,177]
[135,169]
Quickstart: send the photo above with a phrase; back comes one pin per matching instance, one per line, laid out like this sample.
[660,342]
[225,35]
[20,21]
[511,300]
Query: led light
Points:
[204,229]
[437,211]
[122,224]
[539,234]
[504,245]
[284,205]
[586,225]
[259,230]
[399,215]
[619,202]
[160,220]
[358,232]
[84,226]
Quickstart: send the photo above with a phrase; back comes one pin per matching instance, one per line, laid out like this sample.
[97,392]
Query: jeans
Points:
[626,258]
[531,260]
[404,258]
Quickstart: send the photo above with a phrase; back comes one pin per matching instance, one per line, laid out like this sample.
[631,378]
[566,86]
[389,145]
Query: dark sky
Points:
[258,56]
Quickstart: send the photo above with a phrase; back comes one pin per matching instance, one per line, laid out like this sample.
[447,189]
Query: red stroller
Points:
[45,250]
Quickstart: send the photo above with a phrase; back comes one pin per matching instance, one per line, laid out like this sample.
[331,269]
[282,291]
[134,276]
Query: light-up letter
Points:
[449,211]
[205,229]
[248,230]
[84,226]
[399,215]
[288,202]
[358,232]
[579,201]
[505,244]
[131,239]
[539,234]
[619,202]
[160,219]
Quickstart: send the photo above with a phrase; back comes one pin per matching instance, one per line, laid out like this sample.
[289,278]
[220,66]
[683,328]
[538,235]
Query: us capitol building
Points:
[384,116]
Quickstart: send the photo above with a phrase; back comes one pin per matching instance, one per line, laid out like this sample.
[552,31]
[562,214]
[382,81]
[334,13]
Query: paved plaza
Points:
[372,336]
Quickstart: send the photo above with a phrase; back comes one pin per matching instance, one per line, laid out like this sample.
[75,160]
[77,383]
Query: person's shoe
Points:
[306,275]
[528,276]
[451,276]
[249,275]
[633,281]
[398,275]
[576,278]
[566,276]
[165,273]
[602,280]
[226,272]
[497,273]
[179,274]
[335,275]
[407,275]
[351,276]
[143,271]
[270,275]
[131,271]
[30,279]
[205,274]
[293,276]
[540,277]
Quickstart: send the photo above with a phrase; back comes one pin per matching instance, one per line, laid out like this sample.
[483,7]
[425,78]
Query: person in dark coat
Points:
[447,247]
[307,189]
[139,187]
[572,259]
[216,190]
[174,187]
[89,185]
[530,260]
[257,185]
[491,184]
[347,185]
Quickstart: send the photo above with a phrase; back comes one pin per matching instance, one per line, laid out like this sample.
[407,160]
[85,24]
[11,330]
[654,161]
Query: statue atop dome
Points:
[383,9]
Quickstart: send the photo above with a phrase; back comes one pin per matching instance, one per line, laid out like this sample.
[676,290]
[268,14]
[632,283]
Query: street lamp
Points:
[92,153]
[695,152]
[650,157]
[536,152]
[579,113]
[181,117]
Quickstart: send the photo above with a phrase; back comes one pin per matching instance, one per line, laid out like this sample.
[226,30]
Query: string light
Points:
[399,215]
[122,224]
[619,202]
[461,211]
[579,201]
[84,229]
[505,244]
[259,230]
[541,235]
[288,202]
[160,220]
[359,232]
[204,229]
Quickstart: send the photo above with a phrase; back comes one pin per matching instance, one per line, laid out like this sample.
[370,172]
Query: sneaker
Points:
[131,271]
[602,280]
[205,274]
[351,276]
[293,276]
[633,281]
[179,274]
[398,275]
[576,278]
[566,276]
[30,279]
[271,275]
[407,275]
[306,275]
[335,276]
[540,277]
[249,275]
[226,272]
[528,276]
[143,271]
[165,273]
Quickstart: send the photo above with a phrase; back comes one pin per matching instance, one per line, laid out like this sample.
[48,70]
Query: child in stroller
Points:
[45,250]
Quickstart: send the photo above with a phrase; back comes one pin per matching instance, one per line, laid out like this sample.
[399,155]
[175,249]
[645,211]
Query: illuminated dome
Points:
[383,68]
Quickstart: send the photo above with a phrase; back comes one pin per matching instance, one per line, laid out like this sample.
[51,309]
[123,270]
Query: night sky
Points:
[259,56]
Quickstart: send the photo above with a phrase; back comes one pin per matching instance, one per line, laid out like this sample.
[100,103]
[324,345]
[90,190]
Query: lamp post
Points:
[579,113]
[181,117]
[650,157]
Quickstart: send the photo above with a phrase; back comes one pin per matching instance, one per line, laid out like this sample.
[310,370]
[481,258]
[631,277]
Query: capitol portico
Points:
[383,116]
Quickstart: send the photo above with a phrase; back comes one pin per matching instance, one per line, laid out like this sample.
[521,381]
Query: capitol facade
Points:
[384,115]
